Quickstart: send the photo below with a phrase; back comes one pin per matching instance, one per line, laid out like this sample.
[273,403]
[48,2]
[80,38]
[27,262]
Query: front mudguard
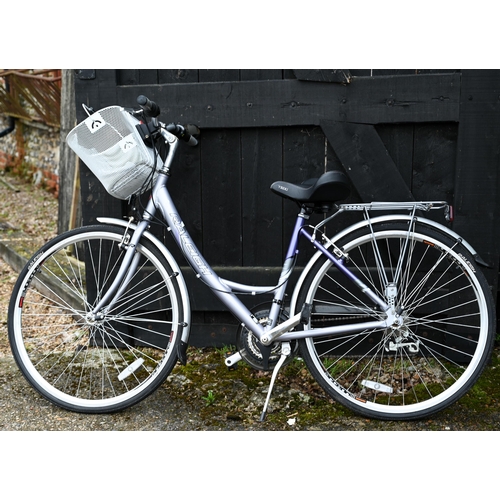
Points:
[186,322]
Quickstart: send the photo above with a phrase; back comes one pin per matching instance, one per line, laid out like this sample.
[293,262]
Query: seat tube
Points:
[288,267]
[302,218]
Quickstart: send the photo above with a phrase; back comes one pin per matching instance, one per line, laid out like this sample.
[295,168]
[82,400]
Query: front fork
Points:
[125,274]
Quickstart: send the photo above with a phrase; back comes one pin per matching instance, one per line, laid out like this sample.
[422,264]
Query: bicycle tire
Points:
[443,344]
[85,365]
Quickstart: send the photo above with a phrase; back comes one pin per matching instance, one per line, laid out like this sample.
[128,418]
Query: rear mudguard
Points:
[374,221]
[186,321]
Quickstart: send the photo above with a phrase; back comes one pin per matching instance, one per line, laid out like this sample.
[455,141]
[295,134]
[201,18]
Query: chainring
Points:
[250,348]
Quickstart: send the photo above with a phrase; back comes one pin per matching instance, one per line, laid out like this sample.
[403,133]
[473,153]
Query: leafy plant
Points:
[209,398]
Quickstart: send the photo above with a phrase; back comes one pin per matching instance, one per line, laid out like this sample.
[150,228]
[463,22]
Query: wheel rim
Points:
[431,357]
[76,360]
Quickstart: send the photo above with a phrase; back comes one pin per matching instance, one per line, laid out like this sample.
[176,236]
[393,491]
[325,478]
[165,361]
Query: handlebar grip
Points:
[192,129]
[150,107]
[180,132]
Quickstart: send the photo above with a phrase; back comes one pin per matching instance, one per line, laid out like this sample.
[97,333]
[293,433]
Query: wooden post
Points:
[68,194]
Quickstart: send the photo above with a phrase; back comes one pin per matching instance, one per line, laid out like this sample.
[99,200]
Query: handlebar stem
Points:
[173,143]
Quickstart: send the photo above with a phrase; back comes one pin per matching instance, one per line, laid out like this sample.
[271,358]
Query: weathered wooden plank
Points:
[127,77]
[398,139]
[303,158]
[261,165]
[323,75]
[185,184]
[107,88]
[261,209]
[434,160]
[95,200]
[403,98]
[177,75]
[367,162]
[221,187]
[86,92]
[477,204]
[371,100]
[137,76]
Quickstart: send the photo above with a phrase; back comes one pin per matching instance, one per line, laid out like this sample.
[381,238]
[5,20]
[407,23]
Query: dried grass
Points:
[32,210]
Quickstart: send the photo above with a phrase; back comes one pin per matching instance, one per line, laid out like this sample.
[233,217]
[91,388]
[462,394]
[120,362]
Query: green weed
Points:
[209,398]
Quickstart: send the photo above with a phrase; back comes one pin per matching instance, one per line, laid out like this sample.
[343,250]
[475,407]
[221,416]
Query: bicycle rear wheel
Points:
[88,365]
[435,355]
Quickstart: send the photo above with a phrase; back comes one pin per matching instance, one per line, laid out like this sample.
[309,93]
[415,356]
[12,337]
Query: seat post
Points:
[302,218]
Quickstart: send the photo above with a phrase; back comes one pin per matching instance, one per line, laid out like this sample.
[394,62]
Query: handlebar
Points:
[152,110]
[181,133]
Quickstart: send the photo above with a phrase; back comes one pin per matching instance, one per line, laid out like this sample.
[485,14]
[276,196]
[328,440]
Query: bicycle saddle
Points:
[321,192]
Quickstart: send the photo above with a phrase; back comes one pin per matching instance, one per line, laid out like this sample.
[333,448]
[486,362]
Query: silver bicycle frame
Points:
[224,289]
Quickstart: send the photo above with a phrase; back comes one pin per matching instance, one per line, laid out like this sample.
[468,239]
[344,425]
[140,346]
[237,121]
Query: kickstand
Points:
[285,352]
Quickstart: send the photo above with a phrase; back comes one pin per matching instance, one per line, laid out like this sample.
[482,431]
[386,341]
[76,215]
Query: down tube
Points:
[200,266]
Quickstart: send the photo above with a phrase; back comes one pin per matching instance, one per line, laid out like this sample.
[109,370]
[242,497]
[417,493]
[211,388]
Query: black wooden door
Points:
[399,135]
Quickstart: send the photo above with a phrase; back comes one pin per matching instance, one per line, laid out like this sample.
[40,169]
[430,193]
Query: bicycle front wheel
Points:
[440,348]
[93,365]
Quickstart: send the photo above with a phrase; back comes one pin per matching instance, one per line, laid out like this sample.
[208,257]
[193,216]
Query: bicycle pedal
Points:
[231,361]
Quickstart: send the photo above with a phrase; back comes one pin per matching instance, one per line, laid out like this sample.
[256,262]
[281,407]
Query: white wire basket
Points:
[110,145]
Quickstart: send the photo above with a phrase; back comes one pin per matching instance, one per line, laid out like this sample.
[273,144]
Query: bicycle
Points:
[392,315]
